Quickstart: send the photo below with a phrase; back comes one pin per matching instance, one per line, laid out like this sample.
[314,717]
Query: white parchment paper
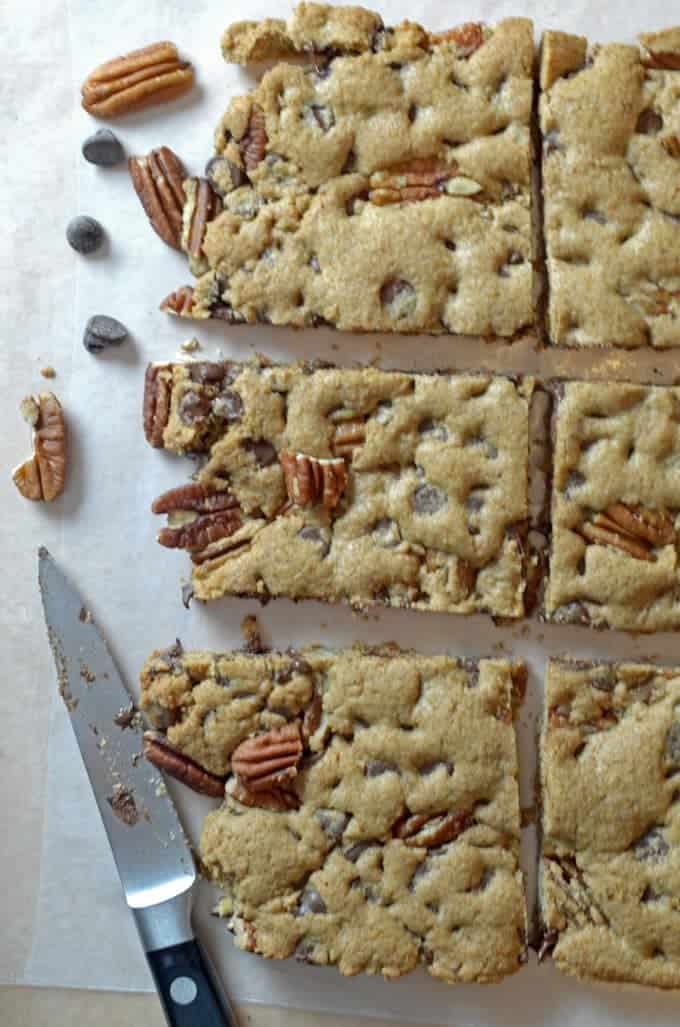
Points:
[84,936]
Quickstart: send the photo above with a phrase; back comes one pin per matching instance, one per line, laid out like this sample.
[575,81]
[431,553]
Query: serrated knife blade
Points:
[149,846]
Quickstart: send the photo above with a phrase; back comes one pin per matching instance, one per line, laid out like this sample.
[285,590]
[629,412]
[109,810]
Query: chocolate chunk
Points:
[103,148]
[206,373]
[428,499]
[193,406]
[651,846]
[649,122]
[219,170]
[333,822]
[262,449]
[102,331]
[84,234]
[311,902]
[228,405]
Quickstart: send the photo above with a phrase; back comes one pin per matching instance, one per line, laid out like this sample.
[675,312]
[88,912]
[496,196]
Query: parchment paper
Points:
[83,934]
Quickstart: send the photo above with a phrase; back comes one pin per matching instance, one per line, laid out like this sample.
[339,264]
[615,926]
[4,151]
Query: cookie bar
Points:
[384,187]
[616,507]
[371,814]
[610,868]
[363,486]
[610,122]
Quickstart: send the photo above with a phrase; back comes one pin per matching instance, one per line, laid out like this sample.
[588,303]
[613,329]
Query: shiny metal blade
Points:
[149,846]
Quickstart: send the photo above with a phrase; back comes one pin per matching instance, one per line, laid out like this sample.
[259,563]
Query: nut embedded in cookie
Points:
[270,760]
[159,751]
[310,479]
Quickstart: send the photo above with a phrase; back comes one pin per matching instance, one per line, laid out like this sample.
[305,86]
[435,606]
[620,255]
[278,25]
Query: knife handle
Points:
[188,987]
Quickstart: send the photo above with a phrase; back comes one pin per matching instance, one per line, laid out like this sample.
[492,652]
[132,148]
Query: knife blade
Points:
[149,846]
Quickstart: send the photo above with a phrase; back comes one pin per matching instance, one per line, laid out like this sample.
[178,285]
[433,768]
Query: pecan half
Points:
[254,142]
[270,760]
[603,535]
[348,436]
[180,302]
[43,476]
[278,799]
[428,831]
[204,205]
[156,404]
[467,38]
[195,496]
[154,74]
[158,750]
[158,180]
[419,179]
[203,531]
[310,479]
[655,526]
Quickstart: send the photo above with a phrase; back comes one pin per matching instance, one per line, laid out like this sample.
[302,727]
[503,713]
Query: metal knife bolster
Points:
[167,923]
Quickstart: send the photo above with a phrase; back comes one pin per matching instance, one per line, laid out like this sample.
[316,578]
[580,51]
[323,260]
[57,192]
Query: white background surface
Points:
[102,531]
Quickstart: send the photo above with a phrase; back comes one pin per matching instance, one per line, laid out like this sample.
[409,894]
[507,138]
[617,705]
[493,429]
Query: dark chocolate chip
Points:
[310,533]
[311,902]
[193,406]
[263,451]
[355,851]
[215,169]
[673,744]
[103,148]
[649,122]
[101,332]
[206,373]
[651,846]
[84,234]
[428,499]
[304,950]
[333,822]
[228,405]
[374,768]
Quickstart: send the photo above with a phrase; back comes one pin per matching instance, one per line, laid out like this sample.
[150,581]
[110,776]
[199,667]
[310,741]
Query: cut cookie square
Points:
[383,187]
[610,124]
[348,485]
[615,508]
[371,818]
[610,865]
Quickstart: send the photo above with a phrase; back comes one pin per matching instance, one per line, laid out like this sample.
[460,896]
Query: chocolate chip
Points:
[193,406]
[374,768]
[263,451]
[311,902]
[604,680]
[103,148]
[649,122]
[310,533]
[589,214]
[218,169]
[428,426]
[428,499]
[333,822]
[673,744]
[323,116]
[314,263]
[206,373]
[101,332]
[304,950]
[387,531]
[228,405]
[651,846]
[84,234]
[399,297]
[355,851]
[574,481]
[430,768]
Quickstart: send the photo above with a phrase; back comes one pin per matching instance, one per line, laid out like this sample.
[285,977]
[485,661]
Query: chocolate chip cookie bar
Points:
[610,123]
[383,187]
[610,775]
[371,813]
[616,507]
[363,486]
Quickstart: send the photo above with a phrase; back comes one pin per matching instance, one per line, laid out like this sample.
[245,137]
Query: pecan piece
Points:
[254,142]
[348,436]
[310,479]
[602,534]
[467,38]
[159,751]
[156,404]
[180,302]
[158,180]
[195,496]
[203,205]
[654,526]
[154,74]
[415,180]
[42,477]
[278,799]
[270,760]
[428,831]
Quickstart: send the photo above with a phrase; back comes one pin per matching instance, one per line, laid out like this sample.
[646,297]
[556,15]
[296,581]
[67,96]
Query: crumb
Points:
[48,372]
[191,345]
[250,630]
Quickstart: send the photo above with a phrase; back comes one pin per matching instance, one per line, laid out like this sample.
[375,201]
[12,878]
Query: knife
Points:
[149,846]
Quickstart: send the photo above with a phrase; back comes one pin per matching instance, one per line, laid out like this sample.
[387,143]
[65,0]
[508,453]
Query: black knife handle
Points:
[188,987]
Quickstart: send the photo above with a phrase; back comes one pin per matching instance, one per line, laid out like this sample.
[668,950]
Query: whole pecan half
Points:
[348,436]
[158,750]
[203,531]
[270,760]
[467,38]
[254,142]
[418,179]
[195,496]
[156,404]
[428,831]
[203,204]
[154,74]
[43,476]
[633,529]
[158,180]
[278,799]
[310,479]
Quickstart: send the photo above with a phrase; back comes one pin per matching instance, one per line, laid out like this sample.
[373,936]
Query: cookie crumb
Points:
[48,372]
[191,345]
